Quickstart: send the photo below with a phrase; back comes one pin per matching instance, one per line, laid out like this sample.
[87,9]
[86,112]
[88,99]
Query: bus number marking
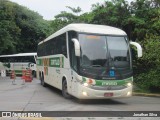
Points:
[109,83]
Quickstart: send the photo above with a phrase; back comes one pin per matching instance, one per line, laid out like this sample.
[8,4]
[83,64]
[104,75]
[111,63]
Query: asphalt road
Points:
[33,97]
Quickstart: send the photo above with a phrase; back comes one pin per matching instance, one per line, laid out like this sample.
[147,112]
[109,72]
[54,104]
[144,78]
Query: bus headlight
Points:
[129,84]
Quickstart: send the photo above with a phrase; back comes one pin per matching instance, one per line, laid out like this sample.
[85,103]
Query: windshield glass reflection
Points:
[101,53]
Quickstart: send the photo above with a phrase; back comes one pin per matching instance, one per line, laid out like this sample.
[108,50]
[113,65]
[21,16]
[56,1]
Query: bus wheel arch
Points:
[65,89]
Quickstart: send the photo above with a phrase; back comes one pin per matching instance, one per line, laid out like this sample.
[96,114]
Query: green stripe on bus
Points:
[84,79]
[18,70]
[62,62]
[53,62]
[39,62]
[110,82]
[56,62]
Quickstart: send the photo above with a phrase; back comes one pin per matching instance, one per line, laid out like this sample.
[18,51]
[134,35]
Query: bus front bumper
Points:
[88,93]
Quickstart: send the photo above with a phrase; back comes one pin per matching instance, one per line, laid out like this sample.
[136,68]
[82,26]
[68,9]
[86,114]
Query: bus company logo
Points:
[20,114]
[55,62]
[6,114]
[109,83]
[46,70]
[46,61]
[61,62]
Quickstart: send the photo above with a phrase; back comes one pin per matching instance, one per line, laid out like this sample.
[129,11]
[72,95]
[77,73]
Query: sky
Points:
[49,8]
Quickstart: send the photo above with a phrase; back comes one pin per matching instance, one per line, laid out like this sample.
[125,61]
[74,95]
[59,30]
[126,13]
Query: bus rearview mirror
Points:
[139,48]
[76,46]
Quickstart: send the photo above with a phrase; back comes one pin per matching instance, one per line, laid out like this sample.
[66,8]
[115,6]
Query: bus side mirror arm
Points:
[76,46]
[139,48]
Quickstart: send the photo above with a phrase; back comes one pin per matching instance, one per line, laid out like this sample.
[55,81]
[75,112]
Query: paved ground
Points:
[33,97]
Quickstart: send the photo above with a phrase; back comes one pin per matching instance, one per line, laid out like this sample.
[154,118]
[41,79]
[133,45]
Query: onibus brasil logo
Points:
[21,114]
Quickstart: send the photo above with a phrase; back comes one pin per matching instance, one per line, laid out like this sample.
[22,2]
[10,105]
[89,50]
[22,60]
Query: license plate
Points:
[108,94]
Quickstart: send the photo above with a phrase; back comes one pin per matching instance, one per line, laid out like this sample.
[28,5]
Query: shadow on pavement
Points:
[99,102]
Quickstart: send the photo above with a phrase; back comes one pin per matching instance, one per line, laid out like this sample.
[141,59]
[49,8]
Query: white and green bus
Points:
[19,62]
[87,61]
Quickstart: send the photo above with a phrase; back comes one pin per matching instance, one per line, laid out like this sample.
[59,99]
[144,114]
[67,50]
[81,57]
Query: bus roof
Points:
[87,28]
[19,54]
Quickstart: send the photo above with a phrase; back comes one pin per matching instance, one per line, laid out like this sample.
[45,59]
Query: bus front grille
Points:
[108,87]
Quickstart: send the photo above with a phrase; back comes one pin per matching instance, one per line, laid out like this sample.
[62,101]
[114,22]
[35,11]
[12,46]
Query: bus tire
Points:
[42,81]
[34,74]
[65,91]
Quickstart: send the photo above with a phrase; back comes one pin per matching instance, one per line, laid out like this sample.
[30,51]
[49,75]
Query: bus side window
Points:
[73,58]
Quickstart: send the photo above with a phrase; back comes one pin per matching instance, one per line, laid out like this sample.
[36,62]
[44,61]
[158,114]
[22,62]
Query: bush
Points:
[147,68]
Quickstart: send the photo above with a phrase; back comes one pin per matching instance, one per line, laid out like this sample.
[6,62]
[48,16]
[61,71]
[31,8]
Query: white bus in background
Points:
[19,62]
[87,61]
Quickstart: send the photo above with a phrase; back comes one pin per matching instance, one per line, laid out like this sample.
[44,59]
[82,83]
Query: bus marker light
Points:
[90,81]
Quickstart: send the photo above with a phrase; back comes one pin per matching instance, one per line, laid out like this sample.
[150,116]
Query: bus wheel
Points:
[65,91]
[42,81]
[34,74]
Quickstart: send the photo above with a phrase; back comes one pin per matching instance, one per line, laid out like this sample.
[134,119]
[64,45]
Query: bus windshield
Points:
[104,52]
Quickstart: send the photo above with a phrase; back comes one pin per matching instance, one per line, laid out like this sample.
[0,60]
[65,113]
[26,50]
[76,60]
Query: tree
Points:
[9,31]
[111,13]
[65,18]
[20,28]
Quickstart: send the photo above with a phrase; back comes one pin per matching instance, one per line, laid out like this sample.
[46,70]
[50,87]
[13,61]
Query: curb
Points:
[146,94]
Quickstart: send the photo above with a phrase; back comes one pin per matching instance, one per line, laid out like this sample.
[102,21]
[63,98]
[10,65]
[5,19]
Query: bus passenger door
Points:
[73,71]
[72,59]
[73,82]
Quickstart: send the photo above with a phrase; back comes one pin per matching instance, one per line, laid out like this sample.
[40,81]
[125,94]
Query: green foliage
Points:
[65,18]
[58,24]
[9,31]
[75,10]
[111,13]
[148,80]
[20,28]
[86,17]
[144,16]
[147,68]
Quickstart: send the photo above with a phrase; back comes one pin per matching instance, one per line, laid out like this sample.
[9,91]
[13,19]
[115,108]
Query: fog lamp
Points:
[84,93]
[85,84]
[128,93]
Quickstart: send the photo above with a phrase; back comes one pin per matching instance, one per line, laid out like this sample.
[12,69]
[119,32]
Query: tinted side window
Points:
[54,46]
[41,50]
[63,48]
